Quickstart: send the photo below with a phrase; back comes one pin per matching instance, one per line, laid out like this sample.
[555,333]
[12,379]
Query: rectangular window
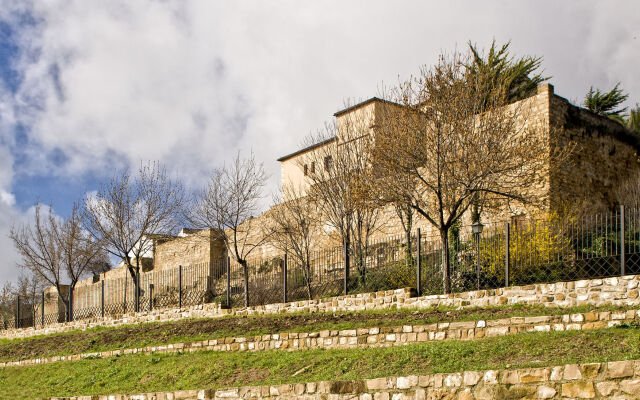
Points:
[313,167]
[327,163]
[518,221]
[306,171]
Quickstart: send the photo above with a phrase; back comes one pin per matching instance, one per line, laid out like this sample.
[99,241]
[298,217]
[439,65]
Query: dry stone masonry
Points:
[374,336]
[612,380]
[616,291]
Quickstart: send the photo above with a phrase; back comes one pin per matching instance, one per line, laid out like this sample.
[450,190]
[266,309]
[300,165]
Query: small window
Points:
[518,221]
[313,167]
[327,163]
[306,170]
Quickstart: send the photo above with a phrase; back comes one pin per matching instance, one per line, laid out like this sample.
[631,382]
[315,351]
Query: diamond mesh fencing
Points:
[520,252]
[382,265]
[320,274]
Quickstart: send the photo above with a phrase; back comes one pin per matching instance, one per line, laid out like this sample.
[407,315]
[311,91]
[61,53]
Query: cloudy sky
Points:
[89,86]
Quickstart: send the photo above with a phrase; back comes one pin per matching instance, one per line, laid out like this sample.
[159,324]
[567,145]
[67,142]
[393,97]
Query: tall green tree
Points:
[633,121]
[518,76]
[607,103]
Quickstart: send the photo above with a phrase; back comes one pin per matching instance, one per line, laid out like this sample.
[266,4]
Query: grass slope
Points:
[140,373]
[151,334]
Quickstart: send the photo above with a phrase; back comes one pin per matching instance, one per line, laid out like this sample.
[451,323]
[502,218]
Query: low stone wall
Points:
[374,336]
[616,290]
[377,300]
[619,380]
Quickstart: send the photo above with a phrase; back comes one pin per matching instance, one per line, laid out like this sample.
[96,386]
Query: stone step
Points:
[609,380]
[374,336]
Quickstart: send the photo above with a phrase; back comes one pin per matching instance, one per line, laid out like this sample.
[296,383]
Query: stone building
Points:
[606,154]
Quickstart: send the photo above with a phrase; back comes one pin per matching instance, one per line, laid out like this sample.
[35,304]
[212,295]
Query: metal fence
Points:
[518,252]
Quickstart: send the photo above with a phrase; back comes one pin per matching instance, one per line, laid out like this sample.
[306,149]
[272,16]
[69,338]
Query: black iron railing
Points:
[517,252]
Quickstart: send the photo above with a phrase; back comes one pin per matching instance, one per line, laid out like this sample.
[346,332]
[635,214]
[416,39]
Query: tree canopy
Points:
[519,76]
[606,103]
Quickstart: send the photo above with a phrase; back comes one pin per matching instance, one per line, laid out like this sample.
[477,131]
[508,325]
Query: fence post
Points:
[507,241]
[622,249]
[18,312]
[180,287]
[102,298]
[346,265]
[419,265]
[477,240]
[124,303]
[42,311]
[284,279]
[228,282]
[70,304]
[137,290]
[150,296]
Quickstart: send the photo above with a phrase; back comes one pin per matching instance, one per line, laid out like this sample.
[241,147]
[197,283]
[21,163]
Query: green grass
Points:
[188,330]
[146,373]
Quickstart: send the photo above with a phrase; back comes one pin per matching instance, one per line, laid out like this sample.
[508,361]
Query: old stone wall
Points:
[604,155]
[617,290]
[197,248]
[609,380]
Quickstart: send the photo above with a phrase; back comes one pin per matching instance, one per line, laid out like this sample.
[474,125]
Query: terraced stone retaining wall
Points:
[616,290]
[374,336]
[592,381]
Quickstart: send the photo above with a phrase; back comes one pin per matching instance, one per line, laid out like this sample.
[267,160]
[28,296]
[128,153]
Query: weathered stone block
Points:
[631,386]
[572,372]
[606,388]
[534,375]
[579,389]
[377,384]
[545,392]
[470,378]
[590,370]
[619,369]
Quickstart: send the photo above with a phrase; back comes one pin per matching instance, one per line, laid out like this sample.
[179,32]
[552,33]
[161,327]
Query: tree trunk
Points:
[245,270]
[136,283]
[446,261]
[66,308]
[409,247]
[71,288]
[308,279]
[408,226]
[134,271]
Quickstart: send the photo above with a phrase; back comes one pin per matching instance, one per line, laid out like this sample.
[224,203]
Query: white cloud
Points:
[108,83]
[7,198]
[190,83]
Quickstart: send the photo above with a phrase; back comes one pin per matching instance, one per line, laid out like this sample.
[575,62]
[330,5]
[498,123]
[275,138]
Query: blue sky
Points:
[88,87]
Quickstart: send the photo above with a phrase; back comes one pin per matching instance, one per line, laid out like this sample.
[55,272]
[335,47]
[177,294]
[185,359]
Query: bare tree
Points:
[452,138]
[100,264]
[294,228]
[628,191]
[406,214]
[7,304]
[335,173]
[30,288]
[228,205]
[131,211]
[55,250]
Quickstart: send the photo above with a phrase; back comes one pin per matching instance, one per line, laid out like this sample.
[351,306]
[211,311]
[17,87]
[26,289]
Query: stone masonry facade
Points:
[611,380]
[617,290]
